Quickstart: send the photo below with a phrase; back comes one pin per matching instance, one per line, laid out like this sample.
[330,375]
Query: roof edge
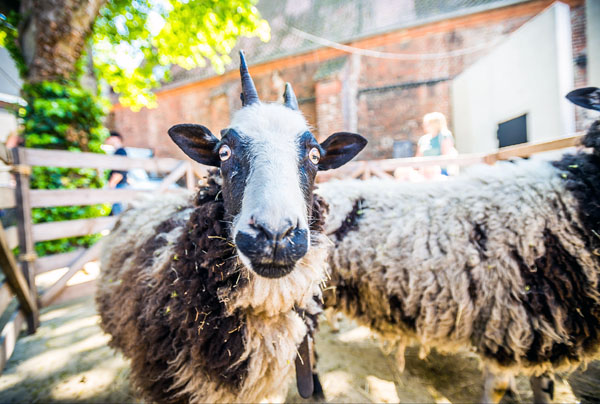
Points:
[390,29]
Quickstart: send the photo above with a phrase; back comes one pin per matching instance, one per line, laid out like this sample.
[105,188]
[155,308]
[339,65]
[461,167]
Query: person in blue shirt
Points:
[437,141]
[117,179]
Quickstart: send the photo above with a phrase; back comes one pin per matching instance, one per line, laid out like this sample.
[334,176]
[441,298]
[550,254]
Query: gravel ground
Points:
[67,360]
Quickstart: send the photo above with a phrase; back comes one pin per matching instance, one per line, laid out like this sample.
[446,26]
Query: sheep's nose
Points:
[274,249]
[271,234]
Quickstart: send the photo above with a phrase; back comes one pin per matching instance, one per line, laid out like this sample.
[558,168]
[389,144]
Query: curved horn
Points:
[289,97]
[249,94]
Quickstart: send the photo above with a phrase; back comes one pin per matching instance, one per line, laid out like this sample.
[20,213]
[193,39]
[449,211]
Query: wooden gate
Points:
[21,272]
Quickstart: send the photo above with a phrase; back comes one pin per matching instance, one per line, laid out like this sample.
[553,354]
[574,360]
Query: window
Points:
[403,148]
[513,132]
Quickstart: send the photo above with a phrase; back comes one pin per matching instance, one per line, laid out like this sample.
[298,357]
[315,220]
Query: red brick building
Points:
[420,46]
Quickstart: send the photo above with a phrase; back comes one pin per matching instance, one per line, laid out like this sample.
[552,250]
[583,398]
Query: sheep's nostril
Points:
[274,235]
[286,232]
[268,233]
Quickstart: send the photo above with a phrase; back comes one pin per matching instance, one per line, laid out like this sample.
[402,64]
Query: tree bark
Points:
[53,35]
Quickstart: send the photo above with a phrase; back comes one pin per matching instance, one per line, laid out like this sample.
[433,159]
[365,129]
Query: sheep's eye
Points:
[314,156]
[224,152]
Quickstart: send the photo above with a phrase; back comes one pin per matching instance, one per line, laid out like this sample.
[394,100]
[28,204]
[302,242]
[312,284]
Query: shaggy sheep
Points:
[214,298]
[504,261]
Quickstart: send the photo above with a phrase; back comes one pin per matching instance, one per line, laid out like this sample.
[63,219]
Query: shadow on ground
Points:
[68,360]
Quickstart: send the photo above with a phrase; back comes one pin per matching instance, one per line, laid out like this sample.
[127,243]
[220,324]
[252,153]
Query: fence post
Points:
[27,254]
[190,178]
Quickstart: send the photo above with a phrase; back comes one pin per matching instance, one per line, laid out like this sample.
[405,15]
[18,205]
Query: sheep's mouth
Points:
[271,258]
[273,271]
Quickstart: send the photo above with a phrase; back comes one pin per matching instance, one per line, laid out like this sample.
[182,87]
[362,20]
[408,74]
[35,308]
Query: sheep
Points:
[214,297]
[504,261]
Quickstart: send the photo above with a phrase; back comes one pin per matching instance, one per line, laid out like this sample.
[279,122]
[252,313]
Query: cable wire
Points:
[388,55]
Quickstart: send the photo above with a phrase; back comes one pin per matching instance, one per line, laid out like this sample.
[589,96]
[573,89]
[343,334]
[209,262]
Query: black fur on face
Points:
[234,171]
[306,168]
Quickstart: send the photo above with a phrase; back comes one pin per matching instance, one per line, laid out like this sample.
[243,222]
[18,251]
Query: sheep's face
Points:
[268,160]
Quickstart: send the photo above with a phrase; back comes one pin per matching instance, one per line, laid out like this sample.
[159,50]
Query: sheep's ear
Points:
[587,97]
[197,142]
[340,148]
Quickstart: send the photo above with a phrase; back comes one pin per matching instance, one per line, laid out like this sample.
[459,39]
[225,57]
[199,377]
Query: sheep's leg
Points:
[495,386]
[400,357]
[543,388]
[332,319]
[318,394]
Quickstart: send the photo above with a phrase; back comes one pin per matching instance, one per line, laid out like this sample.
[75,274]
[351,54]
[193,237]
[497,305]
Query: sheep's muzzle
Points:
[273,255]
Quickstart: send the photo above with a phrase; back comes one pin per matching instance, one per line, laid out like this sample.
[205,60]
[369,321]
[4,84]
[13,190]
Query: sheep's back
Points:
[496,260]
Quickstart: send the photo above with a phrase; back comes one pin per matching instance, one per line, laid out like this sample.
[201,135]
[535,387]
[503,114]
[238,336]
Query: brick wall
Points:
[578,24]
[381,98]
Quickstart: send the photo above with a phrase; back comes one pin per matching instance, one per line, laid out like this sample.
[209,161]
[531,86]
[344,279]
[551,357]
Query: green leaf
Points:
[189,34]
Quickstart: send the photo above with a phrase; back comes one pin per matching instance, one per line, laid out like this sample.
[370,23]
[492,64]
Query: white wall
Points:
[592,14]
[529,72]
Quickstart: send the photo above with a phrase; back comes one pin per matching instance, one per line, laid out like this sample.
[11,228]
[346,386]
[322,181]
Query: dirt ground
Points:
[68,360]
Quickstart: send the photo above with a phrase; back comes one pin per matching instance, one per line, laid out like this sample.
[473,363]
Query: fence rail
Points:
[21,275]
[54,261]
[71,228]
[385,168]
[41,198]
[66,159]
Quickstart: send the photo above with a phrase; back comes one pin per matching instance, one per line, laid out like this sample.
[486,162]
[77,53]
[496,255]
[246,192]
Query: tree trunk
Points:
[53,34]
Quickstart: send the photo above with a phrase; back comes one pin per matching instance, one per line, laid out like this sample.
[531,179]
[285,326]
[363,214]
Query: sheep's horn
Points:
[249,95]
[289,97]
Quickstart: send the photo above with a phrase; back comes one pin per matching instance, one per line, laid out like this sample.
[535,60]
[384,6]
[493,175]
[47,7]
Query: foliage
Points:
[136,42]
[64,116]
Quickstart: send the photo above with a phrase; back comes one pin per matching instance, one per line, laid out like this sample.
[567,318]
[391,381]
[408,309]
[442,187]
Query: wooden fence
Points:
[386,168]
[21,272]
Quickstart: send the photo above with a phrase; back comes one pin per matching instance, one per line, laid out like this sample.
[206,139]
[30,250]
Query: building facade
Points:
[374,67]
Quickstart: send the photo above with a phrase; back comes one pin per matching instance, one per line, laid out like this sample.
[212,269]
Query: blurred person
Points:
[14,140]
[117,179]
[437,141]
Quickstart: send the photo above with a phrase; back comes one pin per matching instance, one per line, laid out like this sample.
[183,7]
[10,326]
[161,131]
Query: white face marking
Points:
[273,193]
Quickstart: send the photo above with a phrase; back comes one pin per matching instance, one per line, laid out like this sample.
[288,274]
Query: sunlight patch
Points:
[382,391]
[356,335]
[85,385]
